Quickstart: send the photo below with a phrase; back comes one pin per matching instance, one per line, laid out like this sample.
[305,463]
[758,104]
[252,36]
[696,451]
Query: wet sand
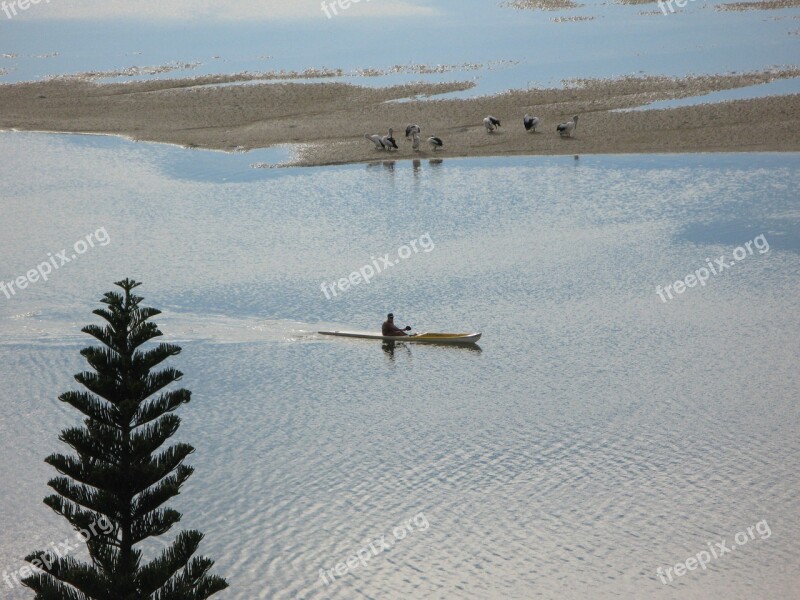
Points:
[328,120]
[542,4]
[759,5]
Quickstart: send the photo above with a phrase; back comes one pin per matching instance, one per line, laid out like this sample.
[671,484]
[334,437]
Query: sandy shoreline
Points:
[329,120]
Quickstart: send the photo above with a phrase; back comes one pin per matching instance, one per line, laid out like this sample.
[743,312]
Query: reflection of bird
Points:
[568,127]
[530,123]
[415,140]
[491,123]
[410,129]
[375,139]
[435,142]
[388,140]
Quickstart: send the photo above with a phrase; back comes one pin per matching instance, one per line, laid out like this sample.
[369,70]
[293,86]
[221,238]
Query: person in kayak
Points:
[390,329]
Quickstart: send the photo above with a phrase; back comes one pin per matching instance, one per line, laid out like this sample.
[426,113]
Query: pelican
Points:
[491,123]
[435,142]
[415,140]
[568,127]
[531,123]
[375,139]
[410,129]
[388,140]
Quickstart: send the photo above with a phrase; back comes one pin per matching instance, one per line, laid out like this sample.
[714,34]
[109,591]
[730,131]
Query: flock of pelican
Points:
[387,142]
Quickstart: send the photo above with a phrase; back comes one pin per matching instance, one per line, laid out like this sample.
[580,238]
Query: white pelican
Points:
[415,140]
[568,127]
[388,140]
[375,139]
[410,129]
[435,142]
[531,123]
[491,123]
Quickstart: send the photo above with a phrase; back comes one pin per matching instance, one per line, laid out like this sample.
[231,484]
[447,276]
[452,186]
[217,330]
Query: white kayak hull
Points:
[420,338]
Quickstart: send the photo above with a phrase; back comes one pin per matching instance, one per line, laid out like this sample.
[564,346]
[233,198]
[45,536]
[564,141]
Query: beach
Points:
[327,121]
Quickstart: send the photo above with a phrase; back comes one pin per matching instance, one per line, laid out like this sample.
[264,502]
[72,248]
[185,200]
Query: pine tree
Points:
[119,476]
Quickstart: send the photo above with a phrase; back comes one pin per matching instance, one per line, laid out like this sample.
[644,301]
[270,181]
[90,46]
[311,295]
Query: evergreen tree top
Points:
[120,472]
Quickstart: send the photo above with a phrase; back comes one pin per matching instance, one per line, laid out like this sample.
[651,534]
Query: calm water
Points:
[597,434]
[517,49]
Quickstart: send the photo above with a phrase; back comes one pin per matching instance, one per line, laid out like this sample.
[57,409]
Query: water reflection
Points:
[416,165]
[390,347]
[388,165]
[569,414]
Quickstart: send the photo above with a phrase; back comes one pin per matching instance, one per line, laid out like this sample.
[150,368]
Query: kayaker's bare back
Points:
[392,330]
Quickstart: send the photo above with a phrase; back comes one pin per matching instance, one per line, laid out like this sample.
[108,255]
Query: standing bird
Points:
[375,139]
[435,142]
[530,123]
[568,127]
[410,129]
[388,140]
[415,140]
[491,123]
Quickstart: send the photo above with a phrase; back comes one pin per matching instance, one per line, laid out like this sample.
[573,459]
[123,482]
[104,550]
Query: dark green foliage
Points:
[120,476]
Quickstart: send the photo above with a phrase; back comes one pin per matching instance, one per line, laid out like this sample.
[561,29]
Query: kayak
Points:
[420,338]
[429,338]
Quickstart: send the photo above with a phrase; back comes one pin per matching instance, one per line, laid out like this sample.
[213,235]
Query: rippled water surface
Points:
[595,435]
